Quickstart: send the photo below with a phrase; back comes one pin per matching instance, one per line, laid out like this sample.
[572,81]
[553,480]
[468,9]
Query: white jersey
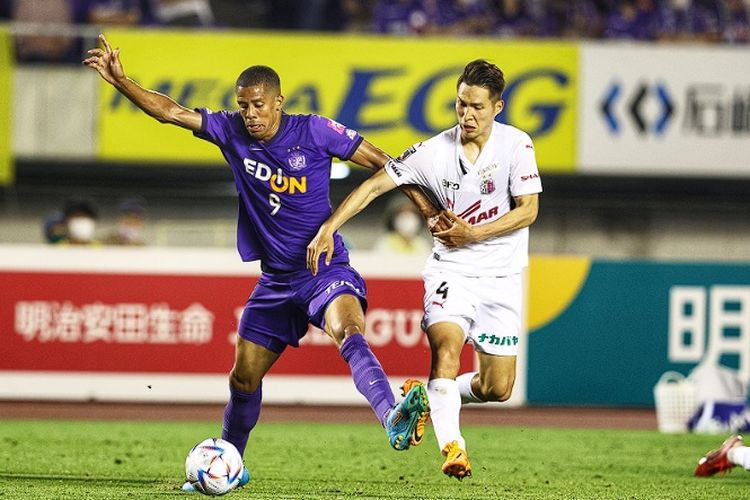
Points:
[479,193]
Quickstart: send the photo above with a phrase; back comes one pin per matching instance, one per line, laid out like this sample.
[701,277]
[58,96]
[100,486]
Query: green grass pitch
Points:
[113,460]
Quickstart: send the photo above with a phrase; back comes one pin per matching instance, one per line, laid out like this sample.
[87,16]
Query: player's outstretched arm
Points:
[107,63]
[461,233]
[357,200]
[370,156]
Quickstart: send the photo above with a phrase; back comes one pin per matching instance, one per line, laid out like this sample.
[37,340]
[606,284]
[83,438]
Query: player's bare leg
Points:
[345,323]
[493,382]
[446,341]
[344,317]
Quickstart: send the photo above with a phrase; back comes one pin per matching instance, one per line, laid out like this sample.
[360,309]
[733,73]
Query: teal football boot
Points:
[408,417]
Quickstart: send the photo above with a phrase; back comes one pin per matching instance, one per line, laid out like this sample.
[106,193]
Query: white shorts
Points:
[488,309]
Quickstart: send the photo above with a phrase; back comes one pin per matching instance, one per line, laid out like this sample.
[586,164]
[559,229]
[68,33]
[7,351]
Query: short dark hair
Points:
[135,205]
[259,75]
[79,206]
[481,73]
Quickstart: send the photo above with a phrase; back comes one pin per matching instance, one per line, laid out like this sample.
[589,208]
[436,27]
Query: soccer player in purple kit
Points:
[281,166]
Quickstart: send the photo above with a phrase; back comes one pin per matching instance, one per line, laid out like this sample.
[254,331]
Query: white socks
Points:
[445,406]
[464,388]
[740,455]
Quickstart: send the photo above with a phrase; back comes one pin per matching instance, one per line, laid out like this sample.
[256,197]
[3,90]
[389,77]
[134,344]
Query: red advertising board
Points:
[180,323]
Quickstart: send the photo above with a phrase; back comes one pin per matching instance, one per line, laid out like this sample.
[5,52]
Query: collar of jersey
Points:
[279,133]
[472,166]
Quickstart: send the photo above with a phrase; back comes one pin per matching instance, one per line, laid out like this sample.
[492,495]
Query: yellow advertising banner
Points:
[394,91]
[6,103]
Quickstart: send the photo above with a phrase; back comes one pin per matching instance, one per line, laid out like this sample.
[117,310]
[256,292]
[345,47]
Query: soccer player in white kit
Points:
[484,176]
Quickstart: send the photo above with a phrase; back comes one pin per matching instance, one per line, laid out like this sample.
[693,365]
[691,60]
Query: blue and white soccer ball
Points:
[214,467]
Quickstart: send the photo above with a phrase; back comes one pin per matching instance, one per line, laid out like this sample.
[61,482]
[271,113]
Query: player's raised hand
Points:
[458,234]
[322,243]
[106,61]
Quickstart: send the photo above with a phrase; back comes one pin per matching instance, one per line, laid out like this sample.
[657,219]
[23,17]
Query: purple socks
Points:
[240,416]
[243,409]
[368,375]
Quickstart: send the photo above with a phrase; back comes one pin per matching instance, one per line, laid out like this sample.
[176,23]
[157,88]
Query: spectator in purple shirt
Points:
[581,19]
[690,20]
[399,17]
[281,166]
[512,19]
[635,20]
[735,21]
[461,17]
[621,20]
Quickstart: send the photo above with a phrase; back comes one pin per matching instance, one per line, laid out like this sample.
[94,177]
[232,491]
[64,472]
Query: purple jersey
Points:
[283,184]
[399,17]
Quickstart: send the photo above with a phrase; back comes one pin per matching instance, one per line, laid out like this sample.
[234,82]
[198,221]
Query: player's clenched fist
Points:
[106,61]
[457,234]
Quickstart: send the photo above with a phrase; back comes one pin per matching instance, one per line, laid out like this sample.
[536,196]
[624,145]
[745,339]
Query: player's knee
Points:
[343,330]
[445,363]
[244,380]
[498,389]
[351,329]
[447,357]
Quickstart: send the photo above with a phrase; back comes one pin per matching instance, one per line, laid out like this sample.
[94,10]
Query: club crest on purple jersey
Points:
[297,160]
[487,186]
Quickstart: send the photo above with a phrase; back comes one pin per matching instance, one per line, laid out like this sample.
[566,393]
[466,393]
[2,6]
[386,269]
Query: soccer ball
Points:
[214,466]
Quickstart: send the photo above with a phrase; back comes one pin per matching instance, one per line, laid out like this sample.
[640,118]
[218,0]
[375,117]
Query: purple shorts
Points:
[282,304]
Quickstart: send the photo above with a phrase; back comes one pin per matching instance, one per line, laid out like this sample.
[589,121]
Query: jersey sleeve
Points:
[524,173]
[412,166]
[334,138]
[215,127]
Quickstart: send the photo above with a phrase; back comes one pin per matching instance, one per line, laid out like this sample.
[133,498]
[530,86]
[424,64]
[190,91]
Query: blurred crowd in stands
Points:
[716,21]
[77,222]
[650,20]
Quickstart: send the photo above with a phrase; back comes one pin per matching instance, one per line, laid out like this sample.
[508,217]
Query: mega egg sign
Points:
[394,91]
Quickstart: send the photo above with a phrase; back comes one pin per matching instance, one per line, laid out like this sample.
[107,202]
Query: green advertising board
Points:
[629,322]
